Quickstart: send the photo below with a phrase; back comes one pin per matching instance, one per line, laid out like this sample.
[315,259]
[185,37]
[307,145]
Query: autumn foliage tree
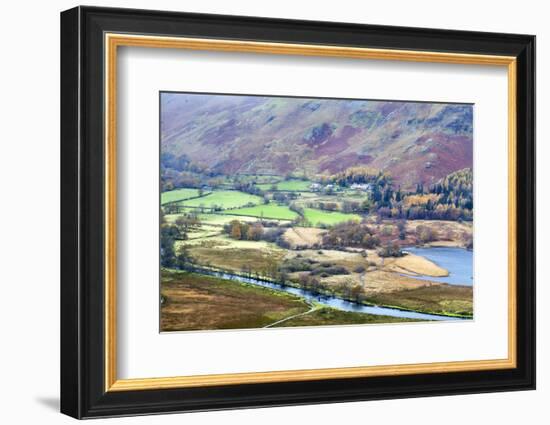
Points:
[243,231]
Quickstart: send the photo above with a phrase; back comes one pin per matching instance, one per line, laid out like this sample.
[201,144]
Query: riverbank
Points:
[350,273]
[338,299]
[196,302]
[193,301]
[329,317]
[448,300]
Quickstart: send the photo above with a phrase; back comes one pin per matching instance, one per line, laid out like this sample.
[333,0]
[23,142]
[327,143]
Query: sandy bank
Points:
[416,265]
[445,244]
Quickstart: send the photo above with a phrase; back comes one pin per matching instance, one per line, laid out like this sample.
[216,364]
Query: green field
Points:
[271,210]
[316,217]
[260,179]
[220,219]
[288,185]
[177,195]
[224,199]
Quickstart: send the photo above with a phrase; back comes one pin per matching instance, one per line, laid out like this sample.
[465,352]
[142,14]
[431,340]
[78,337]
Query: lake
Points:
[458,262]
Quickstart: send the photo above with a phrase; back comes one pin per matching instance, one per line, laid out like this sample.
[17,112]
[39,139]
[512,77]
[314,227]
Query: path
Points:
[292,317]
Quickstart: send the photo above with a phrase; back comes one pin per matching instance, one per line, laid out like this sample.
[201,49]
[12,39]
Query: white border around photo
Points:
[144,72]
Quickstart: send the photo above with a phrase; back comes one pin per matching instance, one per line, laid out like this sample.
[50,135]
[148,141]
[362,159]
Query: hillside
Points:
[414,142]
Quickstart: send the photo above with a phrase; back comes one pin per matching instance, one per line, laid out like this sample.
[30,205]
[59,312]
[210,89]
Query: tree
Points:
[244,231]
[236,229]
[425,234]
[388,195]
[390,250]
[183,258]
[351,206]
[386,230]
[255,232]
[168,186]
[398,195]
[168,234]
[331,206]
[370,241]
[401,226]
[357,293]
[429,205]
[182,223]
[346,288]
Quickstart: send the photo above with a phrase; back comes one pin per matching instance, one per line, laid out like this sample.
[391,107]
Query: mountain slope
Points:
[414,142]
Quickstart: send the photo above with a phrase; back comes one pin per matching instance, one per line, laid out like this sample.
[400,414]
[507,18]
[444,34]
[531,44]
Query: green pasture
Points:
[288,185]
[224,199]
[267,211]
[328,218]
[177,195]
[219,219]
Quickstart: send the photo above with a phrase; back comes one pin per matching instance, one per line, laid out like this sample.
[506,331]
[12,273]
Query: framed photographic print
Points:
[261,212]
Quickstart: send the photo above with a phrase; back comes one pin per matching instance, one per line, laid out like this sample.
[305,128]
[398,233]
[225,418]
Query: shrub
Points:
[390,250]
[359,269]
[295,265]
[425,234]
[351,234]
[272,234]
[329,270]
[280,241]
[387,230]
[370,241]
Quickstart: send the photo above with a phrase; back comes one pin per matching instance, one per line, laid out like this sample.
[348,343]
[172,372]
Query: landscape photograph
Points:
[291,211]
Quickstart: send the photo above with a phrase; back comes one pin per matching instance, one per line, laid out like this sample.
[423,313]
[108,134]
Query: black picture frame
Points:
[83,392]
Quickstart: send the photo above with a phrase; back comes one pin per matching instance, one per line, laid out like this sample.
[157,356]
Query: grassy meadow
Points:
[223,199]
[270,211]
[328,218]
[178,195]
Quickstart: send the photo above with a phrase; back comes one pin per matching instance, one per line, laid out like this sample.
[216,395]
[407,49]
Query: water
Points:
[458,261]
[330,301]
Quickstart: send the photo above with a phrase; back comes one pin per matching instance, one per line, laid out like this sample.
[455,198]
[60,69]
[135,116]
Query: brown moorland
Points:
[198,302]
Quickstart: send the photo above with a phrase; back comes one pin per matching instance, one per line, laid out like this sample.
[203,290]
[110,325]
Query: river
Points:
[331,301]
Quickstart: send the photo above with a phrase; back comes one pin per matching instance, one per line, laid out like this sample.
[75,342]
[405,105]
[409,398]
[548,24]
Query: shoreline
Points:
[416,265]
[365,303]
